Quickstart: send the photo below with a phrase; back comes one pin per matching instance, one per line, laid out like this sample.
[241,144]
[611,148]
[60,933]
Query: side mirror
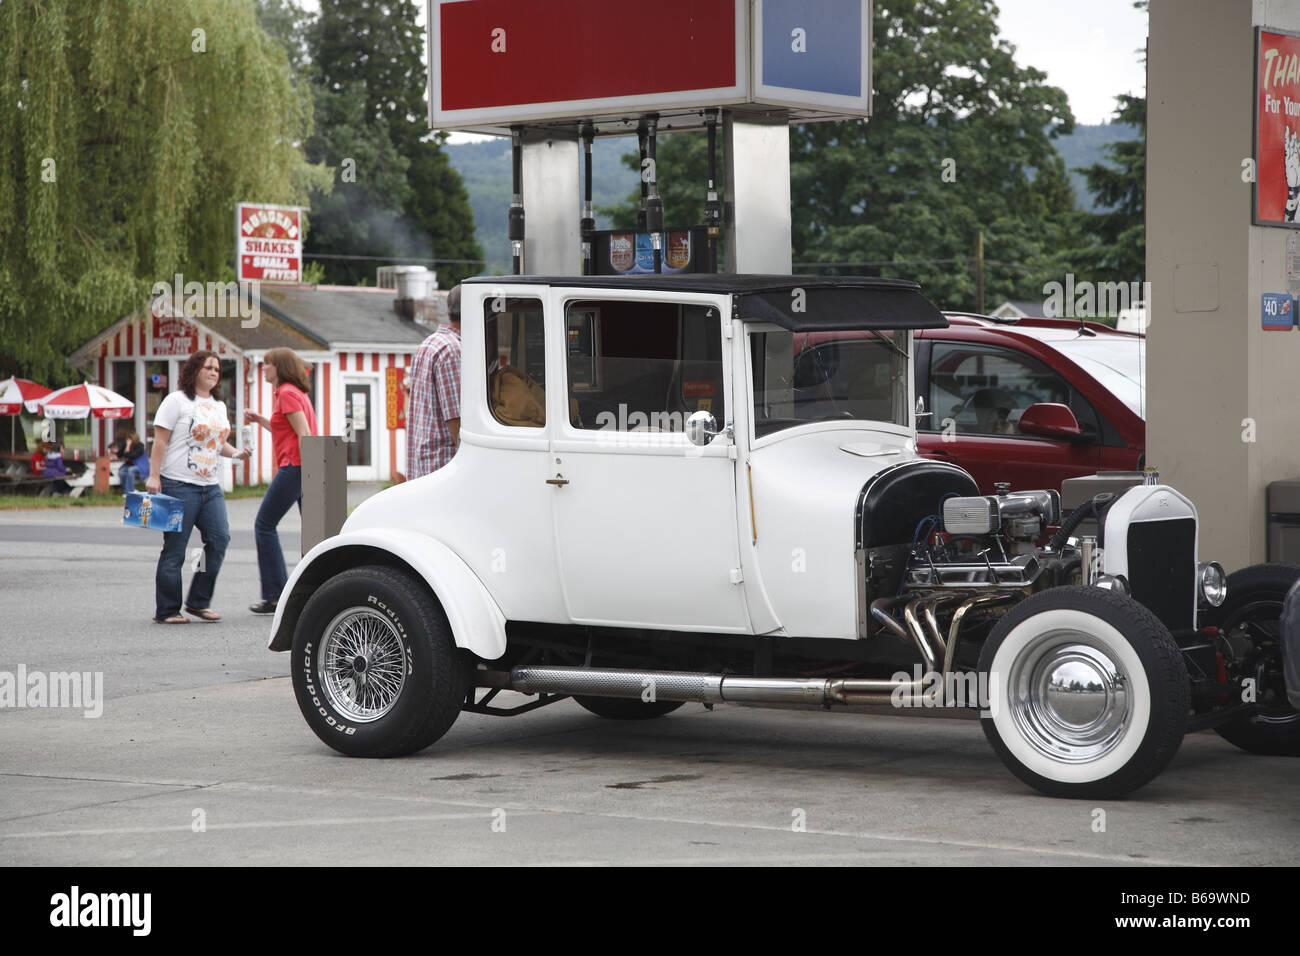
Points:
[1050,420]
[701,427]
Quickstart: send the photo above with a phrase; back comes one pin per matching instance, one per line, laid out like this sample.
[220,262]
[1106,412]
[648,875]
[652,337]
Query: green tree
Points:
[128,131]
[372,47]
[1118,252]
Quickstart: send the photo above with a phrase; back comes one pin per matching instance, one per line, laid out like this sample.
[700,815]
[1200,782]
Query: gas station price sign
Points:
[500,63]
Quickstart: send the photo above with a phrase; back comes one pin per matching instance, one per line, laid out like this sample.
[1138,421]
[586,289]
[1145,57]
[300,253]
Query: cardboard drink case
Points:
[155,512]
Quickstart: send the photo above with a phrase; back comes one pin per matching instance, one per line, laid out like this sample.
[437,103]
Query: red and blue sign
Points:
[1279,312]
[500,63]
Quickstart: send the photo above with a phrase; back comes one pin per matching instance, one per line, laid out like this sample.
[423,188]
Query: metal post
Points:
[550,182]
[758,194]
[324,488]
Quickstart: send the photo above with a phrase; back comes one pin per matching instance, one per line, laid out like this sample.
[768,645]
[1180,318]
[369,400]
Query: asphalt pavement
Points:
[200,757]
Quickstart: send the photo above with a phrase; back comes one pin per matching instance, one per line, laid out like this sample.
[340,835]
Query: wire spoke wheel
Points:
[361,664]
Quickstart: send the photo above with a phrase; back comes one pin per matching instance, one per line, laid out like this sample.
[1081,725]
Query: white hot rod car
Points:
[707,488]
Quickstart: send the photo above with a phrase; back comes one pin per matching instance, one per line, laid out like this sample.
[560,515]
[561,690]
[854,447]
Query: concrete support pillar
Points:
[552,205]
[757,194]
[324,488]
[1215,378]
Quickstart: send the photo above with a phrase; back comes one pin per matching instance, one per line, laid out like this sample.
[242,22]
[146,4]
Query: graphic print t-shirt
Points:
[199,428]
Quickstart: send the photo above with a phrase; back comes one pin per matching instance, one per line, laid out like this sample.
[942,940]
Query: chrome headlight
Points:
[1213,583]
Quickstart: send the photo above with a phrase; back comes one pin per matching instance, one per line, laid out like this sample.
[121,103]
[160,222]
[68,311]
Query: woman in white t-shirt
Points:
[190,432]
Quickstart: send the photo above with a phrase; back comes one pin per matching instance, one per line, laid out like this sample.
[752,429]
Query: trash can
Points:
[1284,521]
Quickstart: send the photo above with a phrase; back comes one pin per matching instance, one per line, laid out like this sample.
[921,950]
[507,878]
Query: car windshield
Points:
[802,377]
[1117,365]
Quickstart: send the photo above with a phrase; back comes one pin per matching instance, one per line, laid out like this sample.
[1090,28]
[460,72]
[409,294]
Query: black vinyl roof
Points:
[798,303]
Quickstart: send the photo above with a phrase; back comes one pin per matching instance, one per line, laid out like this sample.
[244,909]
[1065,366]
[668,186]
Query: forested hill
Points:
[485,167]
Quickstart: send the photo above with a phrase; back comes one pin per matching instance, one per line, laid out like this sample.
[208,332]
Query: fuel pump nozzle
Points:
[515,222]
[654,204]
[712,206]
[587,225]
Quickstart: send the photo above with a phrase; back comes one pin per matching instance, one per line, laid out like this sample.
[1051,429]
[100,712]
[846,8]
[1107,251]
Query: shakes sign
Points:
[1277,129]
[269,242]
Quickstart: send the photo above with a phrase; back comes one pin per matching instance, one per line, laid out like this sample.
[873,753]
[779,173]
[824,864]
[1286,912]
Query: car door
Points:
[975,394]
[645,522]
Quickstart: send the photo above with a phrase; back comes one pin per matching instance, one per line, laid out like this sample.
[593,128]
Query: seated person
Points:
[55,468]
[135,465]
[38,458]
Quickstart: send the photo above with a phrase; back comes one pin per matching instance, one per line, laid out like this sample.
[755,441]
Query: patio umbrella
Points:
[13,393]
[78,401]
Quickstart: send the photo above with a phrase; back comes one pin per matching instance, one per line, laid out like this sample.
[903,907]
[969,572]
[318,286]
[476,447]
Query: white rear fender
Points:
[476,621]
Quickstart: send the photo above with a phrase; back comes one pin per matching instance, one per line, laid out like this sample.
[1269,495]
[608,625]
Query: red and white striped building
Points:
[355,341]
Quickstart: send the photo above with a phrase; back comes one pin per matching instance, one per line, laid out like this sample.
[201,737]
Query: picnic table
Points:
[16,473]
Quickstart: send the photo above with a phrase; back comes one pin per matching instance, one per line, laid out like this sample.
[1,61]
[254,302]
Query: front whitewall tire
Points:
[1088,694]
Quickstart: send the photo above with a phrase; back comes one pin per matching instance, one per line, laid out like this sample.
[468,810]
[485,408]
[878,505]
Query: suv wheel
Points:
[1088,694]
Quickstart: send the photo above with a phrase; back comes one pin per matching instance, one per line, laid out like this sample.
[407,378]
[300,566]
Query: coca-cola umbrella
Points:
[78,401]
[14,392]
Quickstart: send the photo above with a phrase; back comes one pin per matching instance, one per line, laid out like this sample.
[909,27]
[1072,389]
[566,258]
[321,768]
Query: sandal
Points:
[203,613]
[263,607]
[174,619]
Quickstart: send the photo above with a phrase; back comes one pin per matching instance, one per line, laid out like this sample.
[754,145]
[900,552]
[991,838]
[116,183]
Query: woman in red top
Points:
[292,418]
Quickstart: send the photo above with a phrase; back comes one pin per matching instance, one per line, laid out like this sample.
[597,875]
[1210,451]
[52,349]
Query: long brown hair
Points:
[190,371]
[288,368]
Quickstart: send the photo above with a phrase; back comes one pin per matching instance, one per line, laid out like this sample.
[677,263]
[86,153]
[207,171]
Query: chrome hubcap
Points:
[1068,697]
[362,664]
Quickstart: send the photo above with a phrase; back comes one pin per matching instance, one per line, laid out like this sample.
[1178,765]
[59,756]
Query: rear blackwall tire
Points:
[1250,639]
[375,669]
[1115,713]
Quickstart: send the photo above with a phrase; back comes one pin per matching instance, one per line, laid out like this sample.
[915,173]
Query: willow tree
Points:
[128,131]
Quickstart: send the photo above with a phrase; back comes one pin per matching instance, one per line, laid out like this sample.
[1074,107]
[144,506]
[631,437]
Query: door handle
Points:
[557,480]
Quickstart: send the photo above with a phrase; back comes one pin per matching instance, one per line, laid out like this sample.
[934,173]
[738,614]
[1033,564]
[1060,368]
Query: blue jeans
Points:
[205,508]
[128,475]
[284,491]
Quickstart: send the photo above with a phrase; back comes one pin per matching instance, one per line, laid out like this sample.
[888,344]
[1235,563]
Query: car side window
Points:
[642,366]
[980,390]
[515,349]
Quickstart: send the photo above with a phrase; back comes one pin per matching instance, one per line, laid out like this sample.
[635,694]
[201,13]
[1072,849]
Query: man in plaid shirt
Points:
[433,422]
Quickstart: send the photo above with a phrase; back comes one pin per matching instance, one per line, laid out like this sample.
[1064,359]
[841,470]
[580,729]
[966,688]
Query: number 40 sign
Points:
[1279,311]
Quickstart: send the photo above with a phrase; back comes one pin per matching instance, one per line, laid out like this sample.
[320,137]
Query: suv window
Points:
[515,347]
[985,390]
[642,366]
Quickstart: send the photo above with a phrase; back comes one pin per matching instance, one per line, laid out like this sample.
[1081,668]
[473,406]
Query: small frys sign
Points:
[269,242]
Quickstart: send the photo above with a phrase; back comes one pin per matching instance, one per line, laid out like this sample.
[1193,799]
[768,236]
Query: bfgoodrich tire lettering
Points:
[1088,693]
[375,669]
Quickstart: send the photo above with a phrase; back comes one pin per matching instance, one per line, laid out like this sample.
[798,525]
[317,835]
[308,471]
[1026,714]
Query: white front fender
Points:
[476,621]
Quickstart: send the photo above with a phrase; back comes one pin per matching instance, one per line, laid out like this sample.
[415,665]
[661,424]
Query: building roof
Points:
[338,315]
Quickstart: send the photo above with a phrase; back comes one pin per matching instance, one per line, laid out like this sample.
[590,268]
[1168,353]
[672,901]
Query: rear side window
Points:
[515,350]
[642,366]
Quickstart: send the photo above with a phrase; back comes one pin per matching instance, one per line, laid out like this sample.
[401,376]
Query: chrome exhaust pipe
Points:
[712,688]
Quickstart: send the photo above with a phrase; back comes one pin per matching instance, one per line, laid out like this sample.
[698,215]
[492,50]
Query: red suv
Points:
[1031,402]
